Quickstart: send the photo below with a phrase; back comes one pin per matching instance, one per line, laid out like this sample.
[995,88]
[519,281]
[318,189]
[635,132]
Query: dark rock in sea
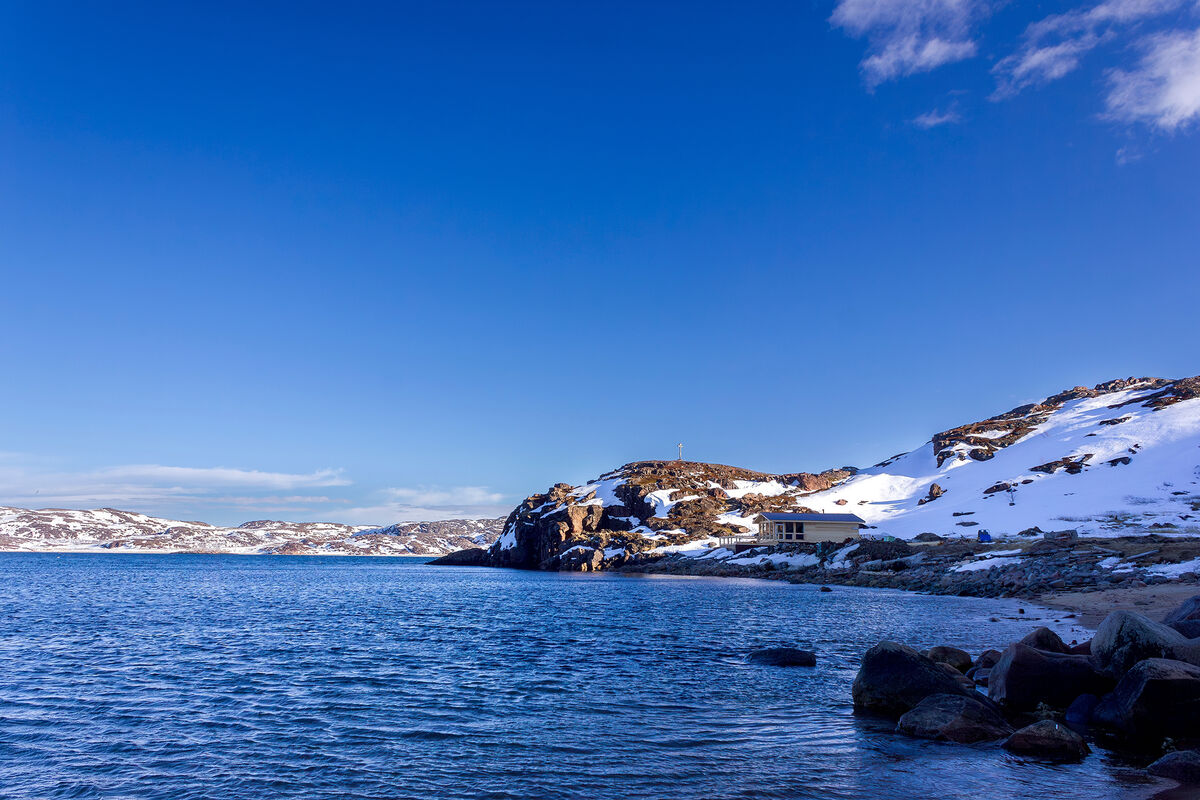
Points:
[826,589]
[782,657]
[1188,627]
[959,659]
[954,718]
[1079,713]
[1046,640]
[470,557]
[1082,649]
[894,678]
[1155,699]
[1181,765]
[1025,677]
[1047,740]
[1125,638]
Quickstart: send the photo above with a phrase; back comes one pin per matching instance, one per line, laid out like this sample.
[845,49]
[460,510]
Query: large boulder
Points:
[1157,698]
[1181,765]
[954,718]
[1025,677]
[894,678]
[1186,618]
[1046,640]
[943,654]
[782,657]
[1125,638]
[1047,741]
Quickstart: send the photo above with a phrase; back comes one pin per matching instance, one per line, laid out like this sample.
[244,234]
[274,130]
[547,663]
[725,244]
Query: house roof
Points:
[776,517]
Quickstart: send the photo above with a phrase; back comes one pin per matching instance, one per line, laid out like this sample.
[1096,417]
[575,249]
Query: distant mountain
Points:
[1122,457]
[108,529]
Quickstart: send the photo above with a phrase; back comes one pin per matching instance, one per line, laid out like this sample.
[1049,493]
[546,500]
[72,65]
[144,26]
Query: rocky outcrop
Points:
[894,678]
[644,505]
[981,440]
[470,557]
[1156,698]
[954,718]
[1047,740]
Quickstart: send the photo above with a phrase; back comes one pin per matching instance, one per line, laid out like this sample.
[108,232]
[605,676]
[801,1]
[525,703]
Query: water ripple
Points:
[197,677]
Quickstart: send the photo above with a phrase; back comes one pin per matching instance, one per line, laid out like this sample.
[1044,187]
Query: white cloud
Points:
[1163,90]
[1054,46]
[223,476]
[910,36]
[935,118]
[154,484]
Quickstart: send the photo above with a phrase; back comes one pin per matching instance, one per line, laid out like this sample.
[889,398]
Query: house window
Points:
[779,527]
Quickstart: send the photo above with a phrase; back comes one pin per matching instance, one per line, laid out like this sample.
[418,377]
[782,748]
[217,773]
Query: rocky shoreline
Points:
[1133,688]
[1035,568]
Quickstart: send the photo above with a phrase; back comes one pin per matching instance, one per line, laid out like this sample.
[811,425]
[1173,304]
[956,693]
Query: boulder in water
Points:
[1156,699]
[1025,677]
[1125,638]
[1047,741]
[782,657]
[954,718]
[894,678]
[1181,765]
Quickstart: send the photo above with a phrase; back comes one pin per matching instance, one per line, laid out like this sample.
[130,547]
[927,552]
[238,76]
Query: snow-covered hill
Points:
[1120,458]
[111,530]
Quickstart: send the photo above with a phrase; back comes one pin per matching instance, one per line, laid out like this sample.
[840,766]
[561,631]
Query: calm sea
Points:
[268,677]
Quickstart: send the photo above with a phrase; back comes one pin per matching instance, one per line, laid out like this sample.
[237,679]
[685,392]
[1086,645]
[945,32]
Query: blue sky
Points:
[403,261]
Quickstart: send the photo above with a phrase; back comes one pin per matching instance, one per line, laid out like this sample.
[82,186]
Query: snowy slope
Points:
[1134,467]
[110,530]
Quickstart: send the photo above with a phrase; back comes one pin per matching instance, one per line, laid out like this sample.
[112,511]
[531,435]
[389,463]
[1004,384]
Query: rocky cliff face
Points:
[643,508]
[108,529]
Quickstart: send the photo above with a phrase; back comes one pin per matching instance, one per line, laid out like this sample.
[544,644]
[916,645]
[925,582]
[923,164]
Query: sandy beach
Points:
[1151,601]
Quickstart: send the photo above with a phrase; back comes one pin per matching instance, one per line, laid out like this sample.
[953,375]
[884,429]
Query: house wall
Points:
[830,531]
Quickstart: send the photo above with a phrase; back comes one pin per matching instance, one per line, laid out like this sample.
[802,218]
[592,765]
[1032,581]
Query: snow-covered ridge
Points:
[1124,460]
[110,530]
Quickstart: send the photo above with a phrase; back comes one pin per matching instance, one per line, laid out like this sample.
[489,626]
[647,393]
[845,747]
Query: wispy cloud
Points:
[1054,46]
[1163,90]
[139,485]
[936,118]
[910,36]
[428,503]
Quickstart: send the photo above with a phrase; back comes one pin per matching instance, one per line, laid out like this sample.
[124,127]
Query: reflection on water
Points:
[245,677]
